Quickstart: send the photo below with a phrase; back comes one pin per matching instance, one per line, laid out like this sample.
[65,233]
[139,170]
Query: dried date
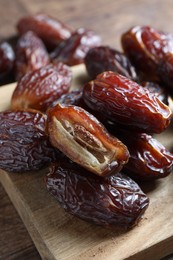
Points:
[50,30]
[104,58]
[113,202]
[149,159]
[82,138]
[24,146]
[73,50]
[125,102]
[145,46]
[40,88]
[31,54]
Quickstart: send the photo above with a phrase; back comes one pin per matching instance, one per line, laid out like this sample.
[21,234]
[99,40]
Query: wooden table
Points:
[109,18]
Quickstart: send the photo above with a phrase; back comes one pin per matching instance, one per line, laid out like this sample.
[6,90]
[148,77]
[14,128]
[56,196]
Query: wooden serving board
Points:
[58,235]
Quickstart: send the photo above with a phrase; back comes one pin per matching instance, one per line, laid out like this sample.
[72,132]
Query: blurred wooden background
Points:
[109,18]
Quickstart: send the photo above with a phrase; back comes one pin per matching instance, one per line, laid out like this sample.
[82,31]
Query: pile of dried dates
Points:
[98,140]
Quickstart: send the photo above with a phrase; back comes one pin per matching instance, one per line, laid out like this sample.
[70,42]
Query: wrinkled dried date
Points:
[82,138]
[114,202]
[7,57]
[149,159]
[73,50]
[40,88]
[104,58]
[24,146]
[125,102]
[30,54]
[49,29]
[145,46]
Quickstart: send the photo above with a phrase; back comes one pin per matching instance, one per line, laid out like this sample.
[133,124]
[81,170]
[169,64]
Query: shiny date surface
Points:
[149,159]
[73,50]
[40,88]
[125,102]
[104,58]
[31,54]
[146,46]
[49,29]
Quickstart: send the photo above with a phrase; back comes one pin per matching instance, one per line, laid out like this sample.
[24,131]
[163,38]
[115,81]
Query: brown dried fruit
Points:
[49,29]
[113,202]
[73,50]
[39,88]
[125,102]
[104,58]
[30,54]
[149,159]
[82,138]
[145,46]
[24,146]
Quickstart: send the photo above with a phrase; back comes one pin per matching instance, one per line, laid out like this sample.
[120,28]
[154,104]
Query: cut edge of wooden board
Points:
[26,216]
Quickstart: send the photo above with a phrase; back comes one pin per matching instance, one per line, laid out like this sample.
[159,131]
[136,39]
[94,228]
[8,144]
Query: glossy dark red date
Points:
[31,54]
[125,102]
[49,29]
[73,50]
[149,159]
[114,202]
[104,58]
[38,89]
[145,46]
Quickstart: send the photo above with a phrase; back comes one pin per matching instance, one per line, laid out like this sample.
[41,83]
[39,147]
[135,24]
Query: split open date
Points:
[99,139]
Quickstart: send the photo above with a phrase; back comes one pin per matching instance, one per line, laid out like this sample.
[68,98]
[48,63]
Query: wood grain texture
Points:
[58,235]
[109,19]
[10,224]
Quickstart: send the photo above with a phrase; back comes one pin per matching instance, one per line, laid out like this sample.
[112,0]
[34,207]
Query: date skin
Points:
[149,159]
[7,58]
[49,29]
[113,202]
[31,54]
[145,46]
[83,139]
[24,146]
[73,50]
[40,88]
[104,58]
[125,102]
